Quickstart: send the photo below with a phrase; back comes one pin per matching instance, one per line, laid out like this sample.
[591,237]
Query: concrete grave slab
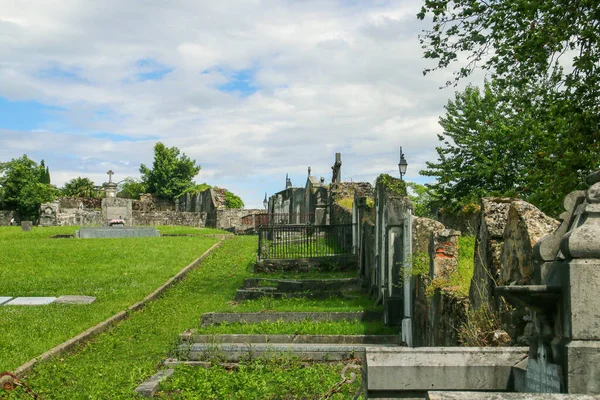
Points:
[506,396]
[31,301]
[441,368]
[4,299]
[73,299]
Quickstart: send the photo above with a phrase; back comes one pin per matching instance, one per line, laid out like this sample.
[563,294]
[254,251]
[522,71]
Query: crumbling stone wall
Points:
[179,218]
[5,217]
[79,202]
[438,311]
[488,249]
[232,218]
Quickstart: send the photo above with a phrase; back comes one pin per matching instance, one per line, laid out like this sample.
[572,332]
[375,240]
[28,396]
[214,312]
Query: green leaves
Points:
[171,173]
[80,187]
[23,186]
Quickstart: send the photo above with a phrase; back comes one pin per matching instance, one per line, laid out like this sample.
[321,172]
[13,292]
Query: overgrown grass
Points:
[114,363]
[119,272]
[466,254]
[460,281]
[333,304]
[302,328]
[276,379]
[111,366]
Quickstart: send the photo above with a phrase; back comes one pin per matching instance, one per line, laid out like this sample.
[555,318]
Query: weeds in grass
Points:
[274,378]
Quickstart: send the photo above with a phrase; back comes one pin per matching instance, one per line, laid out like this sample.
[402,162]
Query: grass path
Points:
[111,366]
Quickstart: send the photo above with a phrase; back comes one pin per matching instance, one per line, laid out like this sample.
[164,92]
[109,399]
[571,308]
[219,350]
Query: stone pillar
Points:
[110,190]
[581,288]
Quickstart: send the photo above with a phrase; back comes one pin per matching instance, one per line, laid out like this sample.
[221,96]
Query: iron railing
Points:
[278,219]
[304,241]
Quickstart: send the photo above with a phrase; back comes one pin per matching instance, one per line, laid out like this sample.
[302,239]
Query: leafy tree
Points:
[544,59]
[44,173]
[232,200]
[524,43]
[490,147]
[80,187]
[421,197]
[22,189]
[131,188]
[171,173]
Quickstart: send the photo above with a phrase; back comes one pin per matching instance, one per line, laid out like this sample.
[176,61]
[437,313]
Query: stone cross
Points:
[110,173]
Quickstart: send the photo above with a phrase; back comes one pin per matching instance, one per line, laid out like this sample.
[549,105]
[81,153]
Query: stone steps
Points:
[233,352]
[255,288]
[193,337]
[257,317]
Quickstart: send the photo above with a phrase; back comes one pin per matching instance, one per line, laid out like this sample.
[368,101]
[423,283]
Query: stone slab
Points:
[149,387]
[4,300]
[74,299]
[322,339]
[439,395]
[441,368]
[257,317]
[31,301]
[116,232]
[241,351]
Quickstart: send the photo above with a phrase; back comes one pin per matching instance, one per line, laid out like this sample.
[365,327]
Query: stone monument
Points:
[564,354]
[336,169]
[114,208]
[110,188]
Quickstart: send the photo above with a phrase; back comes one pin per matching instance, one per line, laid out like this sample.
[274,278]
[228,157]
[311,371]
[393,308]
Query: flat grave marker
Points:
[31,301]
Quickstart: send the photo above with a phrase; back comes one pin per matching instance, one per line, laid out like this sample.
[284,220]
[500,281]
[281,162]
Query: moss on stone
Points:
[395,185]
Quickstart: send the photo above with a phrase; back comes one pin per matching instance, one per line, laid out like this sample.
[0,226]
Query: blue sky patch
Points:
[121,138]
[151,70]
[65,75]
[27,115]
[241,81]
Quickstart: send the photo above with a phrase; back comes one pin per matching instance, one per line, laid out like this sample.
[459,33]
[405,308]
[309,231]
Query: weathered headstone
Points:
[26,226]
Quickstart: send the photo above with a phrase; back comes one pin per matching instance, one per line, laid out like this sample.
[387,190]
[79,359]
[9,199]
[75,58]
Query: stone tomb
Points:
[116,232]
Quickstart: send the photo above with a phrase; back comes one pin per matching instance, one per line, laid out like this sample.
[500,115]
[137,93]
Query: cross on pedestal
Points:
[110,173]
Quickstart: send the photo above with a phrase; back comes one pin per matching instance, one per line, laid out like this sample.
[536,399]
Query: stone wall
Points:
[488,249]
[463,221]
[438,311]
[180,218]
[79,202]
[232,218]
[5,217]
[340,215]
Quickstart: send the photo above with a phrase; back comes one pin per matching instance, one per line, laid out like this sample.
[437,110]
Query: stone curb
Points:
[120,316]
[149,387]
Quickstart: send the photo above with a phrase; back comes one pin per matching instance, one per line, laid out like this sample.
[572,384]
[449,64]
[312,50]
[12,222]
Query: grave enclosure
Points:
[554,286]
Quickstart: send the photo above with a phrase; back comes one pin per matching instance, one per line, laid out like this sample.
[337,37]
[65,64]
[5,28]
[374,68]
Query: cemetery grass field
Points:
[115,362]
[119,272]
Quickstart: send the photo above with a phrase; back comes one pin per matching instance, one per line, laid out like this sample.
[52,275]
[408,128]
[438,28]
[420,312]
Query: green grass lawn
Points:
[119,272]
[114,363]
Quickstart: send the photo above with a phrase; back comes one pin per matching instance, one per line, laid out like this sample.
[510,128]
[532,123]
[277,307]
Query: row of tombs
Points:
[531,312]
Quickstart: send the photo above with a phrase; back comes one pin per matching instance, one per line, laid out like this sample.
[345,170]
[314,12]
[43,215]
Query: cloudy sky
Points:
[250,89]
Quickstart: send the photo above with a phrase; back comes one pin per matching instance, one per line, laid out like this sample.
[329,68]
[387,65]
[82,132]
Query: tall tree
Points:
[522,42]
[171,173]
[131,188]
[80,187]
[544,57]
[22,188]
[490,148]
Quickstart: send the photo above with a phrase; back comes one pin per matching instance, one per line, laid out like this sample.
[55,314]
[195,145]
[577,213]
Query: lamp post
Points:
[265,202]
[402,165]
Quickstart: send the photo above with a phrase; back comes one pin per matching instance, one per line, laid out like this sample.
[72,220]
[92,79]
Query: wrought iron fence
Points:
[304,241]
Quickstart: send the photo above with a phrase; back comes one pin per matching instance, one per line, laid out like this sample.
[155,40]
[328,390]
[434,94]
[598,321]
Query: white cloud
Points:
[330,77]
